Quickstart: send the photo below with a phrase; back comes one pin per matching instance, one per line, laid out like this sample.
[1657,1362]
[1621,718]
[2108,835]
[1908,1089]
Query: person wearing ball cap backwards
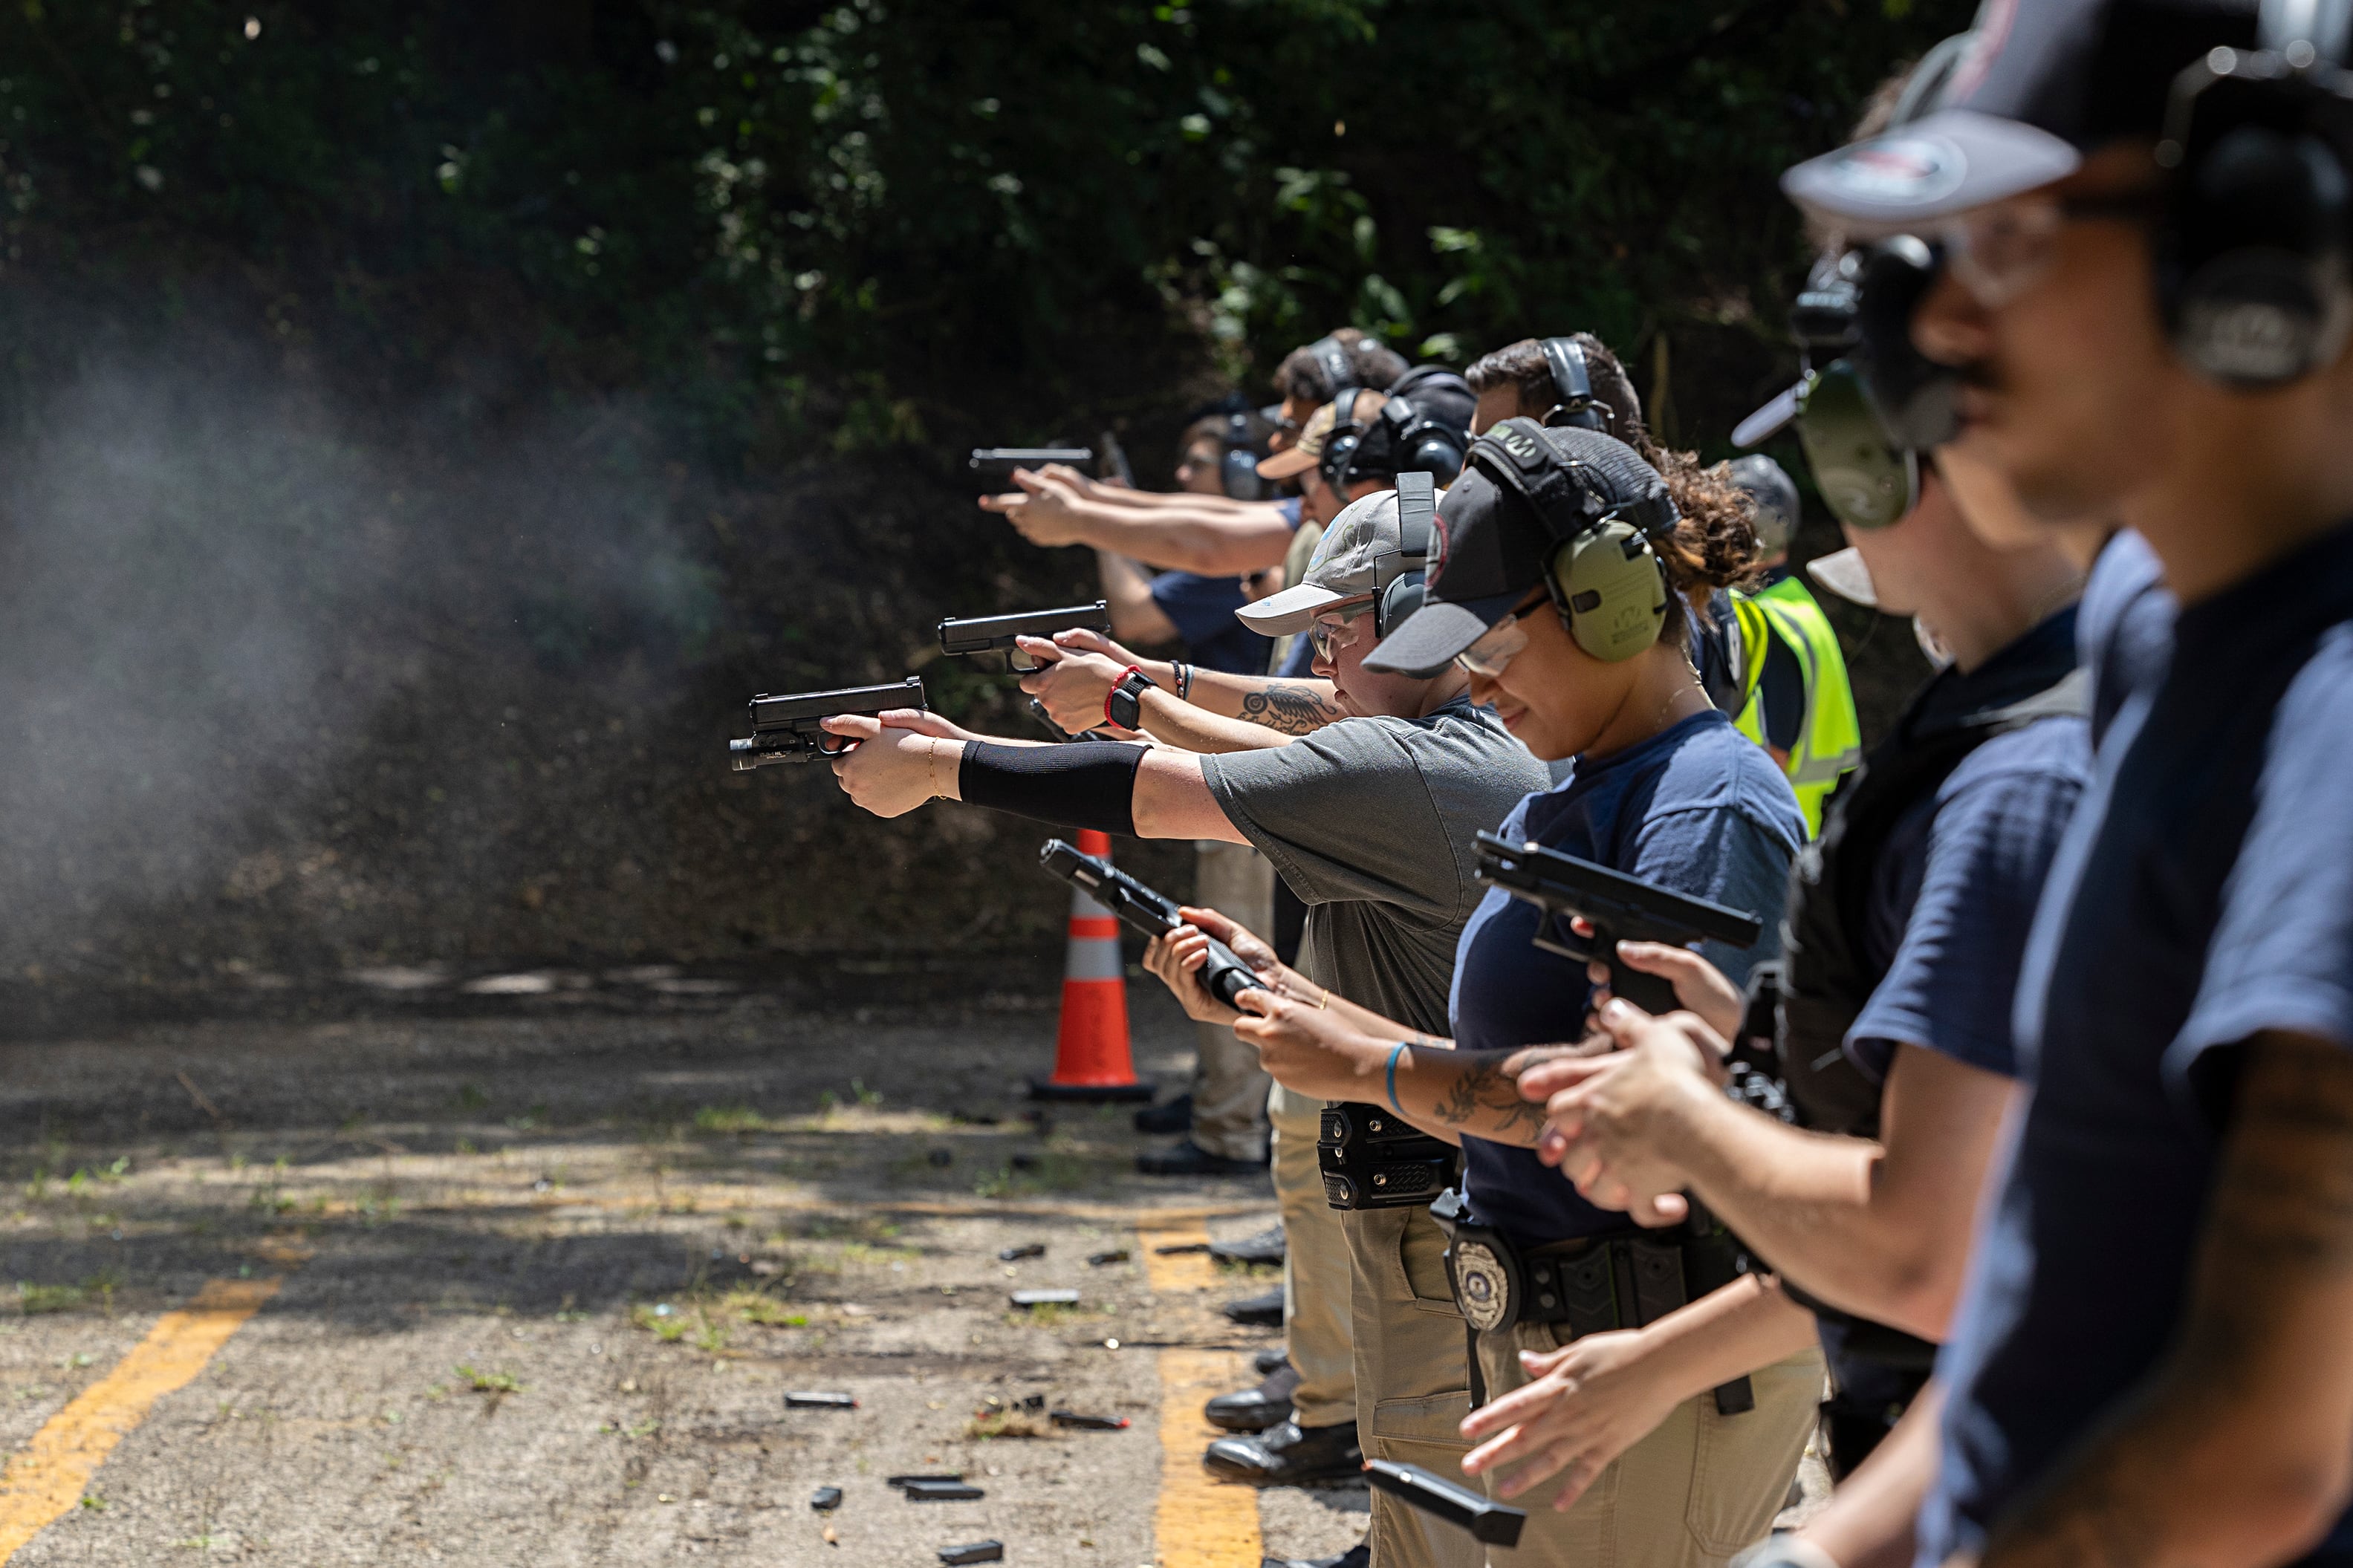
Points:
[1554,592]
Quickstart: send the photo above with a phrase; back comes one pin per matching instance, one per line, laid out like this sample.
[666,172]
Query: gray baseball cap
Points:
[1366,549]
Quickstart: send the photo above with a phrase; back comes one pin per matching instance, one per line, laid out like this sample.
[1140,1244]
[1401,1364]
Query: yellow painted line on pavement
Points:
[51,1473]
[1201,1522]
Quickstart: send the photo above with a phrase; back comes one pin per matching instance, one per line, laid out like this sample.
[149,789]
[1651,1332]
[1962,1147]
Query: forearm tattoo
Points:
[1289,707]
[2279,1229]
[1487,1093]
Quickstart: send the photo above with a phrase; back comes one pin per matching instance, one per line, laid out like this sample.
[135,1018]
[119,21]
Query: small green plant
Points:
[33,1300]
[471,1098]
[726,1118]
[500,1382]
[711,1338]
[95,1502]
[115,1173]
[662,1320]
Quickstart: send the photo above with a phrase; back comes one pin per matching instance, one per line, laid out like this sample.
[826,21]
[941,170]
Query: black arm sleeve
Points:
[1091,785]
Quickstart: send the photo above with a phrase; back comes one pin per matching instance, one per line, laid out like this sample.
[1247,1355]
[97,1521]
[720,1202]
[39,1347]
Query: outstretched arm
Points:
[1202,534]
[1221,712]
[2256,1399]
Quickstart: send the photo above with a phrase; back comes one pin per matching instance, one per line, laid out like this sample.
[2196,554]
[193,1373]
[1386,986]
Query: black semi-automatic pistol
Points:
[1225,976]
[784,729]
[996,634]
[1005,459]
[1619,908]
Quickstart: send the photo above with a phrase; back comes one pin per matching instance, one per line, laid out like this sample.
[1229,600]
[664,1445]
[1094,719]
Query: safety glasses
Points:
[1328,637]
[1999,252]
[1496,648]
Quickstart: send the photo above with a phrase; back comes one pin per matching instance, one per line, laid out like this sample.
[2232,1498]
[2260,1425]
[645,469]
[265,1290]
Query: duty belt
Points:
[1593,1284]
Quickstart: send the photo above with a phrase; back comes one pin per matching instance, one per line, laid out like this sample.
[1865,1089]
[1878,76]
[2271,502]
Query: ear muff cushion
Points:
[1614,589]
[1400,599]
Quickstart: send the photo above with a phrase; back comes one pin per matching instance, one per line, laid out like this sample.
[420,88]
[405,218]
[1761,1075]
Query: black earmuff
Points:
[1339,458]
[2254,275]
[1334,359]
[1401,594]
[1418,442]
[1237,467]
[1573,385]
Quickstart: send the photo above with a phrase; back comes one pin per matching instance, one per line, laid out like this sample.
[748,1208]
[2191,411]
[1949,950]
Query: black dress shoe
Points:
[1256,1312]
[1189,1159]
[1266,1246]
[1288,1455]
[1255,1409]
[1170,1116]
[1358,1556]
[1266,1361]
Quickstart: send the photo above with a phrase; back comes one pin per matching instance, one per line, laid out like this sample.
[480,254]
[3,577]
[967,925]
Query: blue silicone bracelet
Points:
[1396,1051]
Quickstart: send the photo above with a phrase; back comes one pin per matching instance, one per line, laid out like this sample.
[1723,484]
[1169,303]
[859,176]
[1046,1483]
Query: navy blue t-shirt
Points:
[1203,609]
[1698,808]
[2125,630]
[1956,883]
[2203,895]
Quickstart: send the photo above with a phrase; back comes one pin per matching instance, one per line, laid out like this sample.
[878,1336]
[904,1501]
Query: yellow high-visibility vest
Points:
[1830,742]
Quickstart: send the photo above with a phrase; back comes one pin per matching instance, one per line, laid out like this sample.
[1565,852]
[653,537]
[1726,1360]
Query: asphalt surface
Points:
[528,1283]
[543,1278]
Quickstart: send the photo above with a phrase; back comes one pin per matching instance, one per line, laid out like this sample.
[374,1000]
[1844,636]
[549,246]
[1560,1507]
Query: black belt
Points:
[1593,1285]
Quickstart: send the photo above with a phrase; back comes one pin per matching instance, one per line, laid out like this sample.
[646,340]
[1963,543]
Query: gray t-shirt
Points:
[1373,823]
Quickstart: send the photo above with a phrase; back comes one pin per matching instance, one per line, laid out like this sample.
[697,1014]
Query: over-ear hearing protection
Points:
[1339,458]
[1398,580]
[2252,247]
[1603,506]
[1334,359]
[1573,385]
[1401,436]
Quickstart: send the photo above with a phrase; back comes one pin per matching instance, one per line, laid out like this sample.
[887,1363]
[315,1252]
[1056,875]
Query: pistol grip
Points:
[1650,992]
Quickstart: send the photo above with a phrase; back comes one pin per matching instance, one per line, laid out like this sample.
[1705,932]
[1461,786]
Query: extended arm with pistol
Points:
[1225,976]
[1619,909]
[1005,459]
[785,728]
[997,634]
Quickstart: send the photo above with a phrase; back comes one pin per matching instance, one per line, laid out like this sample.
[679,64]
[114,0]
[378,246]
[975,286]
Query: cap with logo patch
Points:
[2031,88]
[1525,491]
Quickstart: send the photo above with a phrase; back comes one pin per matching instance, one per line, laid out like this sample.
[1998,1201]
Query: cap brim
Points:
[1290,612]
[1948,162]
[1843,574]
[1286,463]
[1769,421]
[1428,639]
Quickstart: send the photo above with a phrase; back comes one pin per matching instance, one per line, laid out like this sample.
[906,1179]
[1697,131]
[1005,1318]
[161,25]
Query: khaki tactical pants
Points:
[1413,1377]
[1316,1268]
[1228,1085]
[1697,1489]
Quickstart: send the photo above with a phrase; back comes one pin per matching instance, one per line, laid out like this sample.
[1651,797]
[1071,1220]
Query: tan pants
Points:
[1228,1085]
[1316,1268]
[1700,1488]
[1413,1376]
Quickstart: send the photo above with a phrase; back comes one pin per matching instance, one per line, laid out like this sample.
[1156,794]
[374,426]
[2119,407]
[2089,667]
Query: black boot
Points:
[1255,1409]
[1256,1312]
[1266,1361]
[1189,1159]
[1288,1455]
[1266,1246]
[1170,1116]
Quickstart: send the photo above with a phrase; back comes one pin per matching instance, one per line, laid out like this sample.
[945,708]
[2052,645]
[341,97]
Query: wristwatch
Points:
[1124,706]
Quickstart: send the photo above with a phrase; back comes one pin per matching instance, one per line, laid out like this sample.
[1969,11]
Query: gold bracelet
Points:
[932,768]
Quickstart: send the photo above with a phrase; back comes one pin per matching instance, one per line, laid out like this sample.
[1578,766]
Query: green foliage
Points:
[823,213]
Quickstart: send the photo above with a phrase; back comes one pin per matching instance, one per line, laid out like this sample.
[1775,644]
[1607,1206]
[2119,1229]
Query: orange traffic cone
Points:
[1091,1054]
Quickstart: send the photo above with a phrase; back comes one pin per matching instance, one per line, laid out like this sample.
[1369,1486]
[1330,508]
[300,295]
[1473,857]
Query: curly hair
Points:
[1714,545]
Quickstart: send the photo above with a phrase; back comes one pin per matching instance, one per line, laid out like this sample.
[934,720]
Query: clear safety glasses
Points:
[1999,252]
[1496,648]
[1329,637]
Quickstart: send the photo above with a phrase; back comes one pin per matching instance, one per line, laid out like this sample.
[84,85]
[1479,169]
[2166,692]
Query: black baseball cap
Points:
[1492,543]
[2035,85]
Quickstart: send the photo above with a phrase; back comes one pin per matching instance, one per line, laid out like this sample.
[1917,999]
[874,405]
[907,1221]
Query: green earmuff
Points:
[1613,590]
[1866,479]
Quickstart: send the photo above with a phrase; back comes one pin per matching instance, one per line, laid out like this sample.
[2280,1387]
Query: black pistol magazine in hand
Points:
[1225,976]
[1617,907]
[784,729]
[1498,1524]
[997,634]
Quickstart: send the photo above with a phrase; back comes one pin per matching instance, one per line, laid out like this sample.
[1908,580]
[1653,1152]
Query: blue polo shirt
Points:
[1203,610]
[2125,631]
[1955,886]
[1698,808]
[2204,894]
